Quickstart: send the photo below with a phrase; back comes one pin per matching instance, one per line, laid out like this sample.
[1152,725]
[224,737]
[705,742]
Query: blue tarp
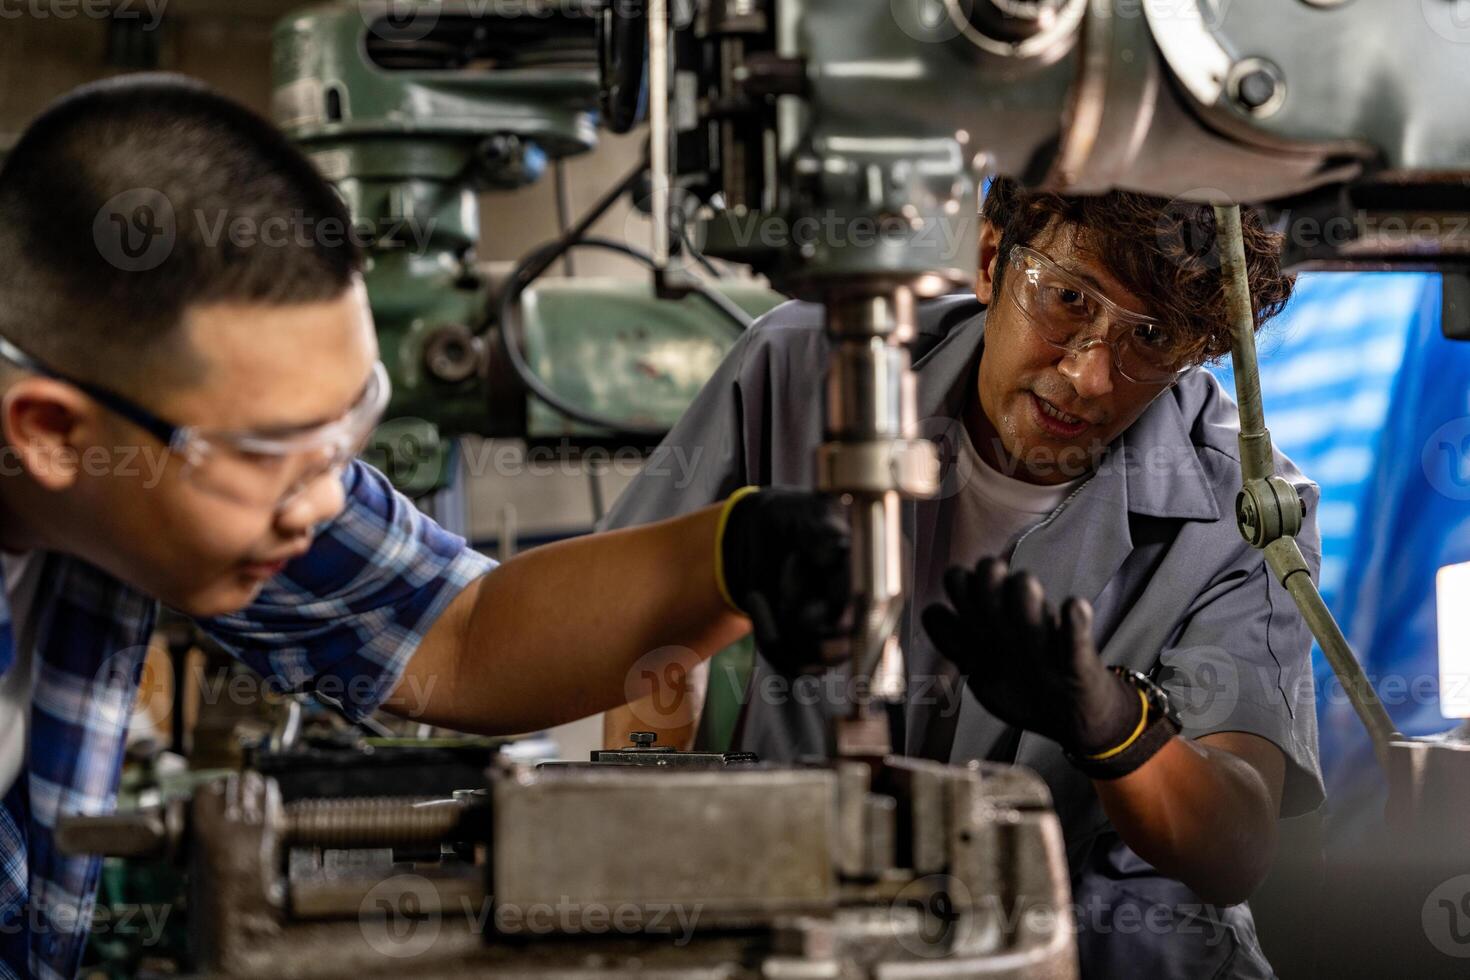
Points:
[1368,398]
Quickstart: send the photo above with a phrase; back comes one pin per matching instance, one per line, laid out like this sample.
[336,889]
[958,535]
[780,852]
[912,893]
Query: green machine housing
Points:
[413,111]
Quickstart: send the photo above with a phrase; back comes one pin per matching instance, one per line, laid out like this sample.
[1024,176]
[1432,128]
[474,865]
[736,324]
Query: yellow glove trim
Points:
[1142,722]
[730,503]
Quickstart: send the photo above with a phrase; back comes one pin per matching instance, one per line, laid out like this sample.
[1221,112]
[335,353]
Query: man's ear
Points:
[40,419]
[989,256]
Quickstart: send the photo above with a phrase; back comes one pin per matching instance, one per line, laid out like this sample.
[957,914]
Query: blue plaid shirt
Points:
[344,619]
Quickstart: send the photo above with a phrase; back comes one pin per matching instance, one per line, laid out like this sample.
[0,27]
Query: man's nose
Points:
[318,502]
[1090,370]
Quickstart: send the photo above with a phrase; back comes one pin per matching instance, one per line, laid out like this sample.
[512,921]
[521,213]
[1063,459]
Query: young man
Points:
[1085,449]
[179,423]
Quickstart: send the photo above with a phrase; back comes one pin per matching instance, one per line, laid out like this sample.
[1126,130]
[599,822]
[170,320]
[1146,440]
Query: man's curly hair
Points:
[1163,251]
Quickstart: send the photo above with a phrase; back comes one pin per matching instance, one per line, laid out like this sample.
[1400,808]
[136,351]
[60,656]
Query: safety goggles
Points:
[1065,311]
[252,468]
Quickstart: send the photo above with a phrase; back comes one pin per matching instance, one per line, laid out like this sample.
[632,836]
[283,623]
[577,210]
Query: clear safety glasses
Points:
[1064,310]
[252,468]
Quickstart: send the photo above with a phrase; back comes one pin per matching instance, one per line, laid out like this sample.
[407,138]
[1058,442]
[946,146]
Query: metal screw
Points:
[370,822]
[1256,89]
[643,740]
[1256,86]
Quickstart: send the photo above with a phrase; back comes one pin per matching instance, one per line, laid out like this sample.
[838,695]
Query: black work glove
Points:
[784,558]
[1029,665]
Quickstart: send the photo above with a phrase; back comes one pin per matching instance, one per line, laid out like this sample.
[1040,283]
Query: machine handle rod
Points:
[1256,464]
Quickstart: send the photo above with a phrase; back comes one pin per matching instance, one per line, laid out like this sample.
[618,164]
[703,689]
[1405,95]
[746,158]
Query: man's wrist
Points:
[1156,725]
[722,530]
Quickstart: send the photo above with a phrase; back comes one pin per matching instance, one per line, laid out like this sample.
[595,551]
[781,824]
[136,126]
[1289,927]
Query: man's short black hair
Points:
[132,200]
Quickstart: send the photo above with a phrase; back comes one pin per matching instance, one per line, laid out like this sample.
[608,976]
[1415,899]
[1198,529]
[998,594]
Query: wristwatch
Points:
[1158,724]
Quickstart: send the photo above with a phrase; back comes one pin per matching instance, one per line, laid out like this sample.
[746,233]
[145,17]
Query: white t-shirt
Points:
[993,510]
[22,576]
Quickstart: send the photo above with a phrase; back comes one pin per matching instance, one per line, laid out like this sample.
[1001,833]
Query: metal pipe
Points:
[1257,467]
[868,459]
[660,166]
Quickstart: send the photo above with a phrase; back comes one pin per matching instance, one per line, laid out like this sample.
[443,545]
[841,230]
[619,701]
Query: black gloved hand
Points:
[784,560]
[1030,666]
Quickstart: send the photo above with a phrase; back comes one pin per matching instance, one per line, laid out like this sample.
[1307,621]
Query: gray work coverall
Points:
[1149,539]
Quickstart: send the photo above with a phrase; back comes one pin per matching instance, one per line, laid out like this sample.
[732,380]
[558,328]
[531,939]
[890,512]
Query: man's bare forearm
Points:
[1202,813]
[573,628]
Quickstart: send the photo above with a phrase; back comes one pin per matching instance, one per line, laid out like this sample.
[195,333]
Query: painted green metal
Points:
[610,346]
[410,145]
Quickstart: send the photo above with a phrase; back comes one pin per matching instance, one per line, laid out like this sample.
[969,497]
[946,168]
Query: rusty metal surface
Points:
[729,843]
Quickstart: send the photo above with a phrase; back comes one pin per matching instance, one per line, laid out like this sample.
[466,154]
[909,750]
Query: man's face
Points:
[269,369]
[1047,415]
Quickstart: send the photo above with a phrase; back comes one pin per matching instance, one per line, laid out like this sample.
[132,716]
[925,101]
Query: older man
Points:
[1088,456]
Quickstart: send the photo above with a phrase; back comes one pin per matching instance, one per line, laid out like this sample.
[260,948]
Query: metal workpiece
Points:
[640,839]
[882,868]
[153,832]
[643,751]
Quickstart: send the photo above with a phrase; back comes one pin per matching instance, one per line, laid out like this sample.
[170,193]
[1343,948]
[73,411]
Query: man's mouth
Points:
[263,569]
[272,567]
[1056,421]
